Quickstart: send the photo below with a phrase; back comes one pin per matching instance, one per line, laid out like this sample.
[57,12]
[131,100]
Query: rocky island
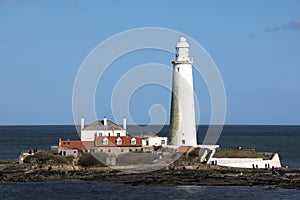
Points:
[45,166]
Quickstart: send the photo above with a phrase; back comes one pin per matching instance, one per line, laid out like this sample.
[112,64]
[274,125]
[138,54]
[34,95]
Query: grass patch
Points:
[239,154]
[194,152]
[89,160]
[47,158]
[8,161]
[136,158]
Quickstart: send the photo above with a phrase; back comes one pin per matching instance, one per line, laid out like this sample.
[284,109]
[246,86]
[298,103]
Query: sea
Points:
[284,140]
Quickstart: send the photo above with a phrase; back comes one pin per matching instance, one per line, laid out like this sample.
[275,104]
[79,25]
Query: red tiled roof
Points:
[77,144]
[112,141]
[183,149]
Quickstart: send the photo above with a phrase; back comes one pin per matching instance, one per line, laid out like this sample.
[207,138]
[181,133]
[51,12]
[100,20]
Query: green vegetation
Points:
[89,160]
[239,154]
[47,158]
[194,152]
[8,161]
[136,158]
[156,148]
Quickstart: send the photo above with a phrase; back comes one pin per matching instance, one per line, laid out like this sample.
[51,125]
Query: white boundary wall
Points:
[247,162]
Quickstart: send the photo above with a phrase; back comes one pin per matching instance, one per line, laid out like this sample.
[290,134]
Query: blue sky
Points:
[255,45]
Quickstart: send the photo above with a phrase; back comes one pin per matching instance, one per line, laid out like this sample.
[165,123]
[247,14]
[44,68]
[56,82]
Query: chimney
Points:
[105,121]
[124,123]
[95,139]
[82,122]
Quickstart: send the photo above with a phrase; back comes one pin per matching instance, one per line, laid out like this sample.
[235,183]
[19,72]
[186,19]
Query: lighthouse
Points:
[182,120]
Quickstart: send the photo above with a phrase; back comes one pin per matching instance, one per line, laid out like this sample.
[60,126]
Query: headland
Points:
[184,171]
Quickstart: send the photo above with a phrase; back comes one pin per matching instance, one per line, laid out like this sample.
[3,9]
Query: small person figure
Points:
[273,170]
[266,166]
[256,166]
[253,166]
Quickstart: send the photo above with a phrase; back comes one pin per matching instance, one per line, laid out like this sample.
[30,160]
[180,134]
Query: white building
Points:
[101,128]
[70,152]
[154,140]
[182,120]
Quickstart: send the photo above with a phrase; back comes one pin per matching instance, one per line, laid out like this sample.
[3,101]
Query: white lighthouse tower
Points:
[182,120]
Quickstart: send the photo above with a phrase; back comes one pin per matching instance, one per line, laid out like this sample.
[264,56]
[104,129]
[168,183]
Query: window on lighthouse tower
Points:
[182,54]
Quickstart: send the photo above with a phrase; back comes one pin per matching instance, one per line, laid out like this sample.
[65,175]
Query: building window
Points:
[118,134]
[119,141]
[177,69]
[105,141]
[100,134]
[109,150]
[133,141]
[122,150]
[101,150]
[163,142]
[183,141]
[64,142]
[147,143]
